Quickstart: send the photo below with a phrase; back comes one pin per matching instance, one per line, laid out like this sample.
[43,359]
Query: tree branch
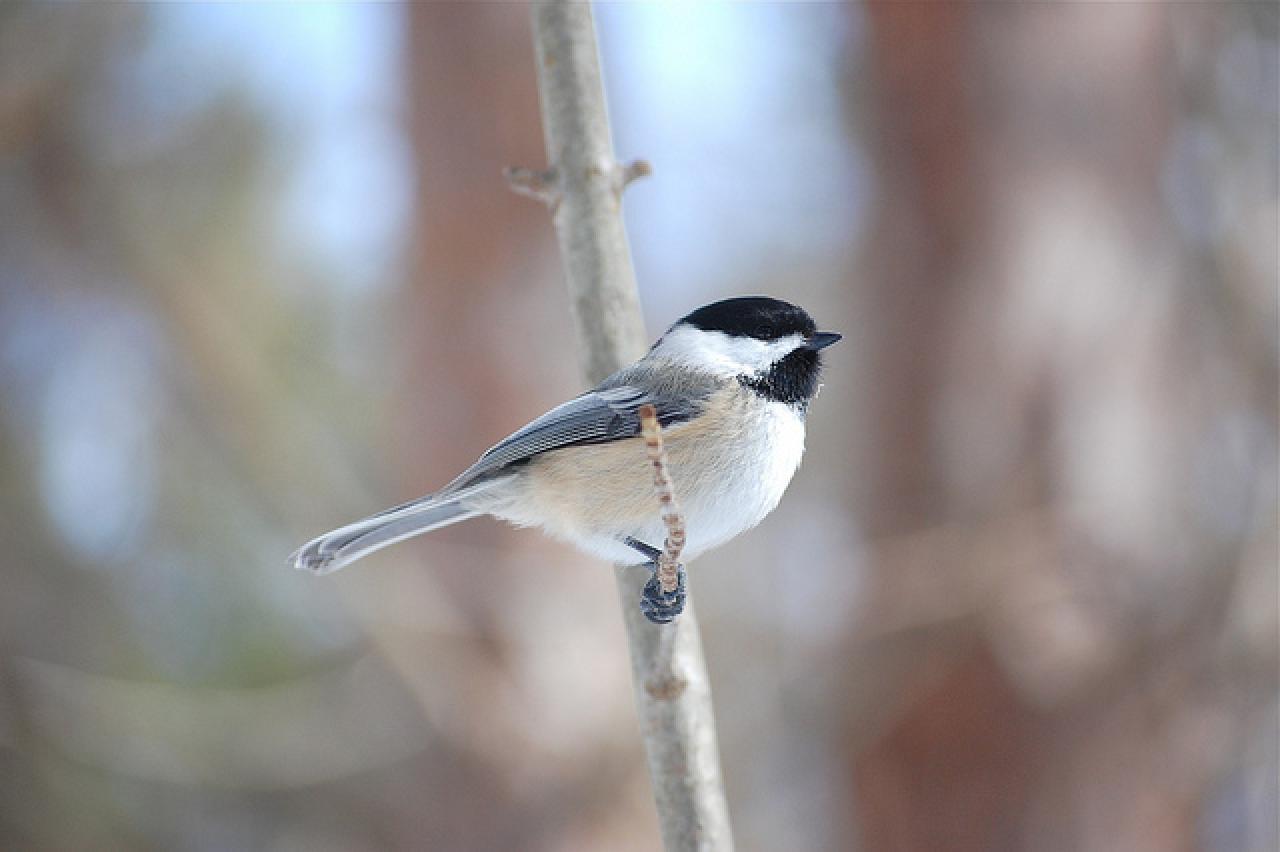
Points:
[584,188]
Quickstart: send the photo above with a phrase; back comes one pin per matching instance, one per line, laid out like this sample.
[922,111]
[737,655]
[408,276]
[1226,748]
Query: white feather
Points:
[717,352]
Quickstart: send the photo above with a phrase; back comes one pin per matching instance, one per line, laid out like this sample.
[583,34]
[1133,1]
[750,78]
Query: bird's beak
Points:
[822,339]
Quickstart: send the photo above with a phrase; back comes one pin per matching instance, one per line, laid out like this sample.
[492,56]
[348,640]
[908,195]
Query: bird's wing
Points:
[608,413]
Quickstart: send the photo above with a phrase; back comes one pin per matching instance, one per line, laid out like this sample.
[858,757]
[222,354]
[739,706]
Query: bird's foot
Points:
[658,606]
[662,607]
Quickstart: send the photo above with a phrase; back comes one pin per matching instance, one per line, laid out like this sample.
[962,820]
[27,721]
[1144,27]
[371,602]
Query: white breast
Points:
[749,475]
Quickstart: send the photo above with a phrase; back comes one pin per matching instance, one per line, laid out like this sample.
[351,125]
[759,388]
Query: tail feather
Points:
[341,547]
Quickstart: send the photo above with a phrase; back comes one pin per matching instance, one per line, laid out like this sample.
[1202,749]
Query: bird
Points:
[731,383]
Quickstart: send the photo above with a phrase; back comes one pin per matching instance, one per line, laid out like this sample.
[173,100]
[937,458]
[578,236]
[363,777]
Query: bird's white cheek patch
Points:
[718,352]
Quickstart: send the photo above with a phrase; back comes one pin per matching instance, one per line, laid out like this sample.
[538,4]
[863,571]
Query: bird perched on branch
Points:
[731,383]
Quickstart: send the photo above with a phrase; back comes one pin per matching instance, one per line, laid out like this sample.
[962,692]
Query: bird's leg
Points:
[658,606]
[648,551]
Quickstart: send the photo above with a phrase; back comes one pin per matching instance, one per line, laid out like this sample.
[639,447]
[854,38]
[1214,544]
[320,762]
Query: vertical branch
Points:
[588,182]
[584,187]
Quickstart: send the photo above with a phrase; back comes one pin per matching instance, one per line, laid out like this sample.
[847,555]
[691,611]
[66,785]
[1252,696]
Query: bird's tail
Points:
[345,545]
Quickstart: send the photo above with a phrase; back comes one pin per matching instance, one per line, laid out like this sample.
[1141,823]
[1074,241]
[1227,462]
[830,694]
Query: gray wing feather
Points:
[607,413]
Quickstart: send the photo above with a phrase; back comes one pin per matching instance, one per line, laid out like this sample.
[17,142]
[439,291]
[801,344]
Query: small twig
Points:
[541,185]
[633,171]
[669,561]
[544,186]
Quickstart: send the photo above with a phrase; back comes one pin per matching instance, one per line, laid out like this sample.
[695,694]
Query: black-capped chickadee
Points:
[731,383]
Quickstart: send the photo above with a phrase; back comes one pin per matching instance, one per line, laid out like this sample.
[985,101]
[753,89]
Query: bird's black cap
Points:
[753,316]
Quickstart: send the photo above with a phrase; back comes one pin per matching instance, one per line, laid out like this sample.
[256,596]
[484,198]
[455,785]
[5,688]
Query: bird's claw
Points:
[662,607]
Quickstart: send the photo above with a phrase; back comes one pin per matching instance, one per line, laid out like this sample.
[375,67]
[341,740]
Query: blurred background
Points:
[260,275]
